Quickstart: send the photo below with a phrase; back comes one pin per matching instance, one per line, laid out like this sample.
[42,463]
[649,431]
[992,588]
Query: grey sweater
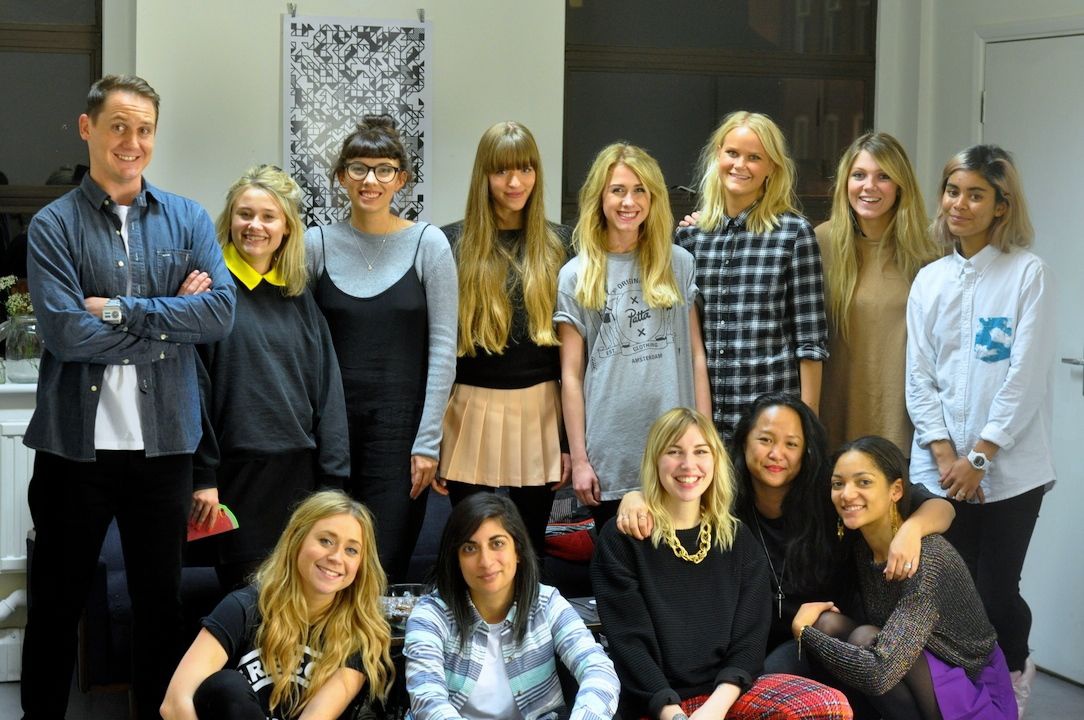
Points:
[344,254]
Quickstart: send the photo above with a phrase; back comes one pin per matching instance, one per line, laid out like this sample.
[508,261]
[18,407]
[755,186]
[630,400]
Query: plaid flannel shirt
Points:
[763,308]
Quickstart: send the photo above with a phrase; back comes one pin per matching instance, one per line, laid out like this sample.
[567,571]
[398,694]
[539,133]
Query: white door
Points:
[1034,103]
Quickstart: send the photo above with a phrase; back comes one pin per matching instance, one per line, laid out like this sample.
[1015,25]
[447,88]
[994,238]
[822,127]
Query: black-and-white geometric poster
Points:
[337,70]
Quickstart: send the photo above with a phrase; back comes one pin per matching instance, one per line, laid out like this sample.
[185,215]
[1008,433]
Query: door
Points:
[1034,102]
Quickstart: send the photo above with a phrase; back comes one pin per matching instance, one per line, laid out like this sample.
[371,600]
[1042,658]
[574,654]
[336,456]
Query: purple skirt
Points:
[988,697]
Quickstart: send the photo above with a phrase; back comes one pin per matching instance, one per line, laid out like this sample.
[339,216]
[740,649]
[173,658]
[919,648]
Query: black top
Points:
[274,387]
[678,629]
[234,624]
[522,364]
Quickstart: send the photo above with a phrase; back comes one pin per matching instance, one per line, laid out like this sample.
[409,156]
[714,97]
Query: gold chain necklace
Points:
[705,544]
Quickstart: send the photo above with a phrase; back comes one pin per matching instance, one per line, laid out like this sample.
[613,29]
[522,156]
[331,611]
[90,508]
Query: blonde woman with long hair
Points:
[503,426]
[758,269]
[686,613]
[873,246]
[303,640]
[628,325]
[275,395]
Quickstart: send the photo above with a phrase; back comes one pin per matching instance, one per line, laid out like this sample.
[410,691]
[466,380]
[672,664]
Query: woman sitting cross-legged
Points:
[484,643]
[304,639]
[687,614]
[931,652]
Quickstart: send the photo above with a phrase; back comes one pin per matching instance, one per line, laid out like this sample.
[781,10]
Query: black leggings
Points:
[227,695]
[912,698]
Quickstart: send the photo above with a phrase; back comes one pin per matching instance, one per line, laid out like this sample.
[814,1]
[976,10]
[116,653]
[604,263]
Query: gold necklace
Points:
[705,544]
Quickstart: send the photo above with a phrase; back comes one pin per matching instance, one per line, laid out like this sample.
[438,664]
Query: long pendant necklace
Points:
[779,596]
[383,241]
[679,549]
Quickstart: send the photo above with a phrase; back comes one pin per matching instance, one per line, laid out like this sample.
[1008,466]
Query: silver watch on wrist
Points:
[111,312]
[679,716]
[978,460]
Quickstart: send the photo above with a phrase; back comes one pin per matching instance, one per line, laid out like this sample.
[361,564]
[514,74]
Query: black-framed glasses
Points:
[384,173]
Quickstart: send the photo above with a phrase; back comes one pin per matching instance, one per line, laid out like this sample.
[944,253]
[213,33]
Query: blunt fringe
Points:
[487,266]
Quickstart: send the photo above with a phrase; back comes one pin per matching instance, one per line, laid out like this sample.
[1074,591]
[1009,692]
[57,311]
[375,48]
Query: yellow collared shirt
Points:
[245,273]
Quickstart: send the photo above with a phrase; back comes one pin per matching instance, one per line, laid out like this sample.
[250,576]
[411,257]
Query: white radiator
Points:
[16,464]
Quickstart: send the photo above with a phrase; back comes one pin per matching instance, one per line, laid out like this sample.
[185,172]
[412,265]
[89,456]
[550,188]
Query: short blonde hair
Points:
[1013,228]
[777,195]
[655,247]
[290,257]
[717,501]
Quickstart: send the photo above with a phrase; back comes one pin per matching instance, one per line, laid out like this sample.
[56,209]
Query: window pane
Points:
[52,12]
[41,132]
[805,26]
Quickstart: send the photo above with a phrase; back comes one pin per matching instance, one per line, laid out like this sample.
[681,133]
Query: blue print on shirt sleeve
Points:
[994,338]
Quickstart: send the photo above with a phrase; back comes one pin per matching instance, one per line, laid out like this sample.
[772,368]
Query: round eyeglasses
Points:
[384,173]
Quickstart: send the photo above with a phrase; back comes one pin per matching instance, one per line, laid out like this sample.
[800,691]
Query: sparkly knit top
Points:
[937,610]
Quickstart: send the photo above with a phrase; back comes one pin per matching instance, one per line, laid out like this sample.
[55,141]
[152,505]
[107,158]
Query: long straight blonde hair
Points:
[353,623]
[905,242]
[486,267]
[290,257]
[654,248]
[717,502]
[777,195]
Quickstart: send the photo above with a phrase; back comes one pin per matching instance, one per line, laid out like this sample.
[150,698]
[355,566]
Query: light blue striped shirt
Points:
[440,675]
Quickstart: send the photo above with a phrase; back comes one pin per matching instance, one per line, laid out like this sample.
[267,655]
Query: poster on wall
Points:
[337,70]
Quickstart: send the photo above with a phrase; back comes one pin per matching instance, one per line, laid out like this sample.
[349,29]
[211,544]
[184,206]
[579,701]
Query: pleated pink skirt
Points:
[502,438]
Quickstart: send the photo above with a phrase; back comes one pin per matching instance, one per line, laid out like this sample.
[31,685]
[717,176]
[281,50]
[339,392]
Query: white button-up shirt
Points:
[980,350]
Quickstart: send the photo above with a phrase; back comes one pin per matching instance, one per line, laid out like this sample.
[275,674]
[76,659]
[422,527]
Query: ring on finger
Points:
[907,566]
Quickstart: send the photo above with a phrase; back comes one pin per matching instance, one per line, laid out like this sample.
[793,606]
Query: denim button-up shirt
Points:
[76,251]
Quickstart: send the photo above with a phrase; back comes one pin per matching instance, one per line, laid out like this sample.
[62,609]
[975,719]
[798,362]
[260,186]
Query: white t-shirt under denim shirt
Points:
[980,351]
[117,422]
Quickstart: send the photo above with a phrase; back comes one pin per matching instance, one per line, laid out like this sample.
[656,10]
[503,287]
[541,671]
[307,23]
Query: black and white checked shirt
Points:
[763,311]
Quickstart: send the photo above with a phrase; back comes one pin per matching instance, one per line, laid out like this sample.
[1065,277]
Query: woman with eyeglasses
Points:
[388,289]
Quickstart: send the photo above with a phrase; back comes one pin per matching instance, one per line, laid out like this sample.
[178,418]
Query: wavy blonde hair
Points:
[290,257]
[653,249]
[486,266]
[1013,228]
[777,195]
[717,502]
[906,241]
[353,623]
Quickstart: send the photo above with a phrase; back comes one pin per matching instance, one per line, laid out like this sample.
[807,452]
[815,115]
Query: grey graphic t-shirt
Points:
[639,363]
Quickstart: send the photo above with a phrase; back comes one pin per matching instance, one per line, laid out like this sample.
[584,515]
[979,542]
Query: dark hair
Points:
[807,508]
[376,136]
[465,520]
[889,460]
[99,92]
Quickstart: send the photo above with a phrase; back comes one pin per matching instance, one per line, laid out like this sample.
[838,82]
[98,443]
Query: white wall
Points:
[929,70]
[218,67]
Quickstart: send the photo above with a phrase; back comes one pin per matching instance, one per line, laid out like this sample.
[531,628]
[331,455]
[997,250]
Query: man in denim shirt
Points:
[125,280]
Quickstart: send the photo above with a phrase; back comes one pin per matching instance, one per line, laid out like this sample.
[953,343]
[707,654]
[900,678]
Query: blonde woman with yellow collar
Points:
[274,395]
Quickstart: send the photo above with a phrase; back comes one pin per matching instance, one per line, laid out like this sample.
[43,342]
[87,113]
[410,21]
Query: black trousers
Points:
[993,540]
[226,695]
[72,504]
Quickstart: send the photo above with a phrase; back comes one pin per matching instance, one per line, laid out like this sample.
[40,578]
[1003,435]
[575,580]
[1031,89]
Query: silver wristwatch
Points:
[978,460]
[111,312]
